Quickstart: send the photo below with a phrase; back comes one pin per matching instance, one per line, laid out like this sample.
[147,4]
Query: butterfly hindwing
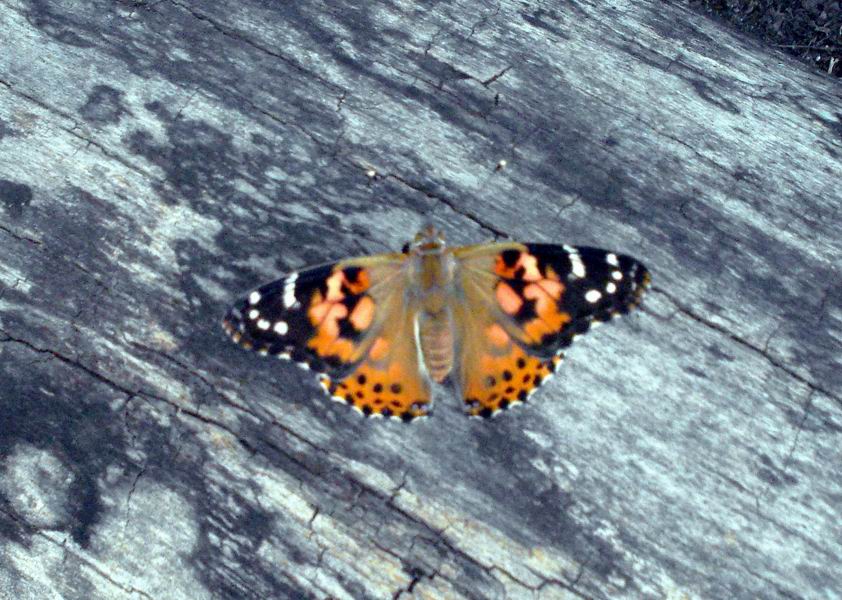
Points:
[493,371]
[389,382]
[535,299]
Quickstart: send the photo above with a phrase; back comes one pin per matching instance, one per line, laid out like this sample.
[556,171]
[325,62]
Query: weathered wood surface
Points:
[158,159]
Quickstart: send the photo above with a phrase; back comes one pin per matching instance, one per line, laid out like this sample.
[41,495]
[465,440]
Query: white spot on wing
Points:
[616,275]
[611,287]
[254,297]
[593,296]
[263,324]
[577,267]
[281,328]
[611,259]
[253,314]
[289,290]
[289,294]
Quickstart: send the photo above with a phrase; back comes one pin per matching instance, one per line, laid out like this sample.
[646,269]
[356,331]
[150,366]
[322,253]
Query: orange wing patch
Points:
[388,382]
[529,294]
[548,319]
[524,294]
[390,392]
[500,374]
[339,312]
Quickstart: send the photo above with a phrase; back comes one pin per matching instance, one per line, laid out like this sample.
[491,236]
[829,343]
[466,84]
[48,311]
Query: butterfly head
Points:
[428,240]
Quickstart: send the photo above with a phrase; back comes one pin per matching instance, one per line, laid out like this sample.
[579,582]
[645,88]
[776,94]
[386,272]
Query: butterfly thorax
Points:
[431,284]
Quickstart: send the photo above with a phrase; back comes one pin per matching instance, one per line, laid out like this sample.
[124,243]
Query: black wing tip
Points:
[234,326]
[641,280]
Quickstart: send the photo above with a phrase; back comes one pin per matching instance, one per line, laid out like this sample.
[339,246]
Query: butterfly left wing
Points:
[522,304]
[348,322]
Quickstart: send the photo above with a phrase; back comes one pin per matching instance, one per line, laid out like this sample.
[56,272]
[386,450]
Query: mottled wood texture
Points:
[158,159]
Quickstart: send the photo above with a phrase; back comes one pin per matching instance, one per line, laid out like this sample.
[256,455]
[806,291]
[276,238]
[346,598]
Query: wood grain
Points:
[157,159]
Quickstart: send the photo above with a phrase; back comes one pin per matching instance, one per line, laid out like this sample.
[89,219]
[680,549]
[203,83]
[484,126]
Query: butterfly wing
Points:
[348,322]
[389,382]
[522,304]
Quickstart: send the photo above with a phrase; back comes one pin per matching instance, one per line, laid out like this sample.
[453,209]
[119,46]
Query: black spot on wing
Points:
[347,330]
[510,257]
[526,312]
[352,274]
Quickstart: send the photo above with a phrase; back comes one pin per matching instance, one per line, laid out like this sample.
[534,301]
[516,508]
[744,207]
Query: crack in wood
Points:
[20,238]
[449,203]
[238,36]
[747,344]
[66,551]
[495,77]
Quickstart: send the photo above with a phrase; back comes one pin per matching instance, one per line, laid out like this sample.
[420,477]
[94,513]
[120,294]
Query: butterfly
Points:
[493,319]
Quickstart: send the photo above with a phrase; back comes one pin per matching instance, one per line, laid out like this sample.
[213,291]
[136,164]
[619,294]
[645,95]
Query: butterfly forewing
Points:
[596,286]
[325,317]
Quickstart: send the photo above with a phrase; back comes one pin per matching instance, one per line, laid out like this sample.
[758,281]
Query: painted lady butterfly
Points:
[493,318]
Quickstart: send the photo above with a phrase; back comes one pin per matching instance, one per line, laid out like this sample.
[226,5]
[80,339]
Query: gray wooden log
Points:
[159,158]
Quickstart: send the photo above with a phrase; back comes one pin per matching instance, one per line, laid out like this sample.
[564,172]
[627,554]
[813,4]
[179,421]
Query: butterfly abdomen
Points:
[436,342]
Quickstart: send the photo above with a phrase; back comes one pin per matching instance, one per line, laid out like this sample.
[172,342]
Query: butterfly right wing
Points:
[523,304]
